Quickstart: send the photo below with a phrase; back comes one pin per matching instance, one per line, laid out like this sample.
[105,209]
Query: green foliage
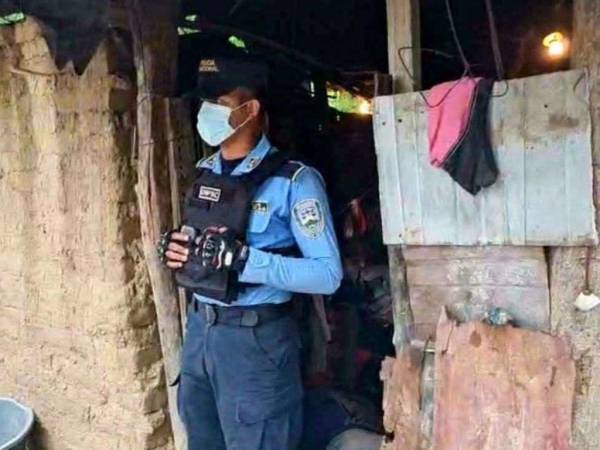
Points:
[237,42]
[186,30]
[344,101]
[11,19]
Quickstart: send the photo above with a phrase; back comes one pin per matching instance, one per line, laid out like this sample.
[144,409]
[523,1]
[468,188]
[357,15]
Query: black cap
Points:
[220,75]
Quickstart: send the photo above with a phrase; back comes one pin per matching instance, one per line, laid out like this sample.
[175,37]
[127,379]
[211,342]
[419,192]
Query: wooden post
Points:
[403,32]
[412,428]
[567,269]
[153,27]
[404,35]
[175,196]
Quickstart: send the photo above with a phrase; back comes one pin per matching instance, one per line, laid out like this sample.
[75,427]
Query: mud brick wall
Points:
[568,265]
[78,337]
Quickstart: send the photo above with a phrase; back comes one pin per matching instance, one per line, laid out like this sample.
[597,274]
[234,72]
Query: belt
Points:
[242,316]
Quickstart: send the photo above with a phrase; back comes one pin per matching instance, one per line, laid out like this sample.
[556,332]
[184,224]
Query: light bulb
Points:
[364,107]
[557,44]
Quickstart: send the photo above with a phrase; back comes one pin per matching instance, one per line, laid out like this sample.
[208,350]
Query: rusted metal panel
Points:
[541,135]
[501,388]
[401,378]
[469,281]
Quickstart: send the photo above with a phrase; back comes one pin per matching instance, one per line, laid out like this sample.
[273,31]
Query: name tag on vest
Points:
[209,193]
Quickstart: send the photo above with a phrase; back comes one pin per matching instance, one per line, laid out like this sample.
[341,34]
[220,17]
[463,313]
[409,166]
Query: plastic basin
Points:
[16,422]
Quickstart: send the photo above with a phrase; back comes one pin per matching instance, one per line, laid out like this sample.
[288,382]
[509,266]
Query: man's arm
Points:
[319,271]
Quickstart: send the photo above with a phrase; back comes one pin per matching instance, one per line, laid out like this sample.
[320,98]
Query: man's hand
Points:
[220,250]
[173,249]
[215,249]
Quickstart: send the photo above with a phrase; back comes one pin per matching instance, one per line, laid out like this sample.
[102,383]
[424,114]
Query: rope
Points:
[500,75]
[465,62]
[457,40]
[408,72]
[588,262]
[495,41]
[467,65]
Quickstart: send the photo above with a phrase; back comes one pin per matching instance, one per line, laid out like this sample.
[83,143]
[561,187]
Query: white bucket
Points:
[16,422]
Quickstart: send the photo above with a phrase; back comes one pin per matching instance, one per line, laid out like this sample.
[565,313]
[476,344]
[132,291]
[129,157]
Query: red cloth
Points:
[449,121]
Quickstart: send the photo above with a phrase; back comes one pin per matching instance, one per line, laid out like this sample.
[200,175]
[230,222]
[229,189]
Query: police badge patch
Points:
[260,207]
[309,217]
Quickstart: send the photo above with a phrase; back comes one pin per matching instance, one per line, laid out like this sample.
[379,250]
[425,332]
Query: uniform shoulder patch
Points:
[309,217]
[260,207]
[291,170]
[298,171]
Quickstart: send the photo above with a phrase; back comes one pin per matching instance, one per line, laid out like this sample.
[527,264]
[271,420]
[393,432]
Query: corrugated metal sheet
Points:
[541,133]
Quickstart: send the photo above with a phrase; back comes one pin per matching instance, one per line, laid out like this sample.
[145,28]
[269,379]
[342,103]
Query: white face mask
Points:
[213,123]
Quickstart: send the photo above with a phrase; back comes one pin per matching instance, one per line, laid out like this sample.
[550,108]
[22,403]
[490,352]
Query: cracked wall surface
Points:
[78,337]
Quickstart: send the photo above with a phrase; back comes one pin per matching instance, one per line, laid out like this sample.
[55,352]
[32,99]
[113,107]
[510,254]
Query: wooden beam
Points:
[153,27]
[404,35]
[173,155]
[568,265]
[403,317]
[403,384]
[403,31]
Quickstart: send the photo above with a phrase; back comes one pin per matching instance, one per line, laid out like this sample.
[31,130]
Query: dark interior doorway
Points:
[323,56]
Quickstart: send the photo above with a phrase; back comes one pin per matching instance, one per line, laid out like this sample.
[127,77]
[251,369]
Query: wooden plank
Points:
[403,29]
[410,164]
[501,388]
[403,19]
[154,35]
[546,202]
[471,280]
[436,224]
[541,133]
[403,317]
[403,376]
[180,149]
[510,184]
[573,158]
[387,160]
[175,201]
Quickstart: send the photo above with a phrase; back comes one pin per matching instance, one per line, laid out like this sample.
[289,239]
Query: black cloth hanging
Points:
[459,132]
[472,163]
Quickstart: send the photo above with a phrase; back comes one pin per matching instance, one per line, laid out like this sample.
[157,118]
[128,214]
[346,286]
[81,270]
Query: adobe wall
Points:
[78,336]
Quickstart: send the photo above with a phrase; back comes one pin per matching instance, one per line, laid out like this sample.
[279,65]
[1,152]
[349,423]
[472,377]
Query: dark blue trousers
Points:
[240,386]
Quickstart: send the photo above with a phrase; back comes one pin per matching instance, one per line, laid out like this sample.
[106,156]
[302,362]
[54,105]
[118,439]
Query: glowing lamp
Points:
[557,44]
[365,107]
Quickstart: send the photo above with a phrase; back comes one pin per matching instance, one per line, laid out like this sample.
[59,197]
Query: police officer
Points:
[240,386]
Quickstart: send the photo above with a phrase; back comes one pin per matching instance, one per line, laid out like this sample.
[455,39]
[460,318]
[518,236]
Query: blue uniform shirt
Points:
[286,212]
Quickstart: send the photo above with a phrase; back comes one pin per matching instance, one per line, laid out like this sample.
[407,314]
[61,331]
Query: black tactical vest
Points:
[224,200]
